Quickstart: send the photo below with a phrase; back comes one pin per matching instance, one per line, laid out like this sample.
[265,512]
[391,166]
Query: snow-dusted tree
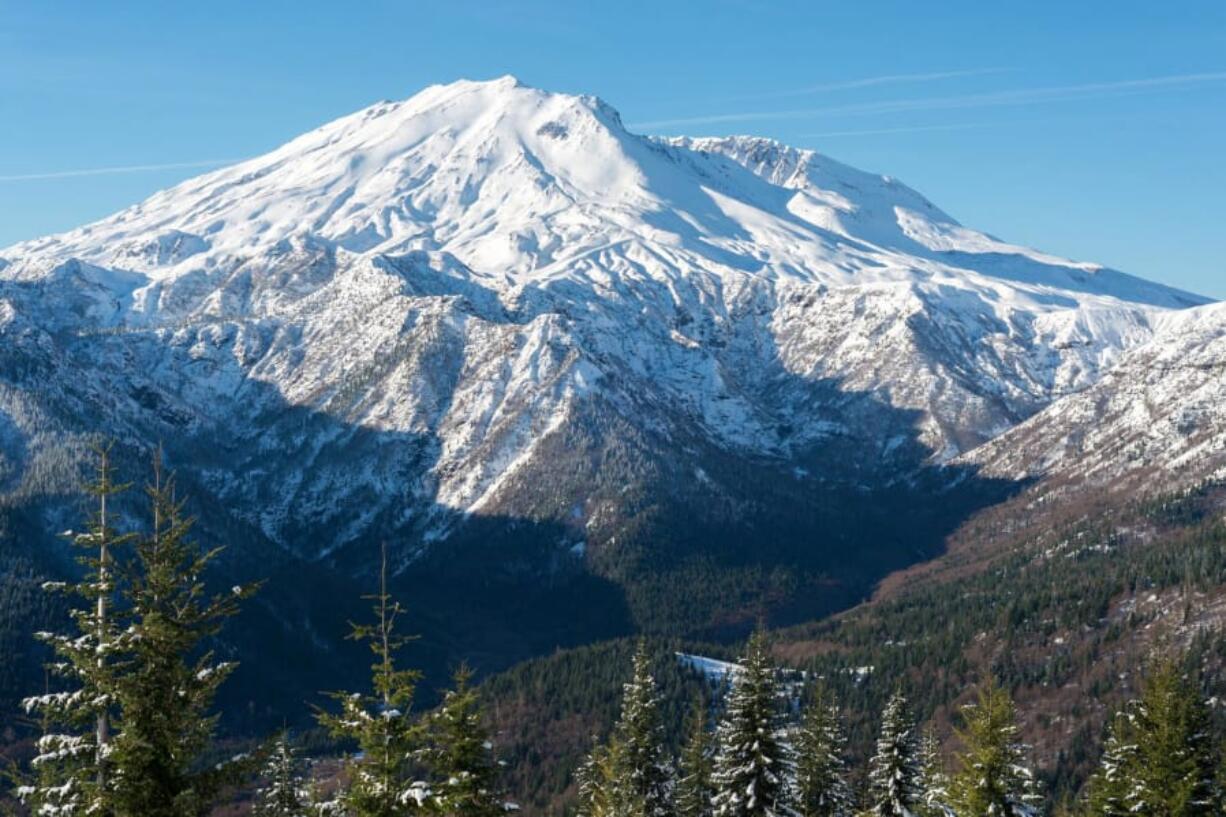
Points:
[993,777]
[460,755]
[1107,791]
[643,776]
[822,789]
[380,776]
[71,770]
[591,778]
[935,781]
[284,792]
[165,688]
[1175,762]
[693,794]
[895,772]
[753,763]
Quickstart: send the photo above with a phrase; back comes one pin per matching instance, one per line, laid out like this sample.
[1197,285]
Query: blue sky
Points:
[1095,130]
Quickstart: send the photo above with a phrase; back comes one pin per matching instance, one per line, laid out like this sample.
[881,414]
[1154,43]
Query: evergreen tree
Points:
[895,774]
[1173,771]
[822,789]
[72,767]
[380,779]
[168,679]
[284,793]
[460,755]
[694,792]
[594,779]
[643,775]
[1109,788]
[993,778]
[753,762]
[935,782]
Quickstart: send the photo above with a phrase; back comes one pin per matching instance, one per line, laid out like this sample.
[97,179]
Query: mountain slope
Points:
[1158,417]
[651,384]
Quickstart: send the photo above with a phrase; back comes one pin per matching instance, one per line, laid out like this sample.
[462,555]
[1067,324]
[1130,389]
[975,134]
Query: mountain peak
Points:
[515,181]
[383,176]
[504,81]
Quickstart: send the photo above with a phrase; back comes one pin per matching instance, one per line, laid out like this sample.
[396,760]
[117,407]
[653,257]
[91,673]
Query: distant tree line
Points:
[1163,757]
[128,727]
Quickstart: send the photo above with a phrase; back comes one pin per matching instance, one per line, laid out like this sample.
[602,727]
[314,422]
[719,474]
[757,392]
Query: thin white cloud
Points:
[1021,96]
[869,82]
[912,129]
[106,171]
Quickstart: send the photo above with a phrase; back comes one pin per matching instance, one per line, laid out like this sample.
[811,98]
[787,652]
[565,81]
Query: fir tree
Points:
[284,793]
[822,789]
[1173,773]
[895,773]
[594,779]
[1108,790]
[993,778]
[935,782]
[694,792]
[461,755]
[643,776]
[166,685]
[753,763]
[71,769]
[381,783]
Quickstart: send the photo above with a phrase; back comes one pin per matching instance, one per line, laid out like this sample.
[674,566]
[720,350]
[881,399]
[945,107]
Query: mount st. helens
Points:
[552,362]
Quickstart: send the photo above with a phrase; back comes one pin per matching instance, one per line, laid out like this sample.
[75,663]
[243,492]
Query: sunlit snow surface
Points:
[714,670]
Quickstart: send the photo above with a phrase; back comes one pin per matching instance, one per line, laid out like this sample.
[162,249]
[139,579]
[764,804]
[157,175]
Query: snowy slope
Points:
[489,299]
[1155,420]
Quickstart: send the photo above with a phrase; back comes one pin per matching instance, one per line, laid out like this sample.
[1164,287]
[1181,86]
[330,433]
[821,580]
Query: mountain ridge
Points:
[1155,416]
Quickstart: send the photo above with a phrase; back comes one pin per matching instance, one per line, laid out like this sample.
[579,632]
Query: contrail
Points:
[1022,96]
[868,82]
[105,171]
[906,129]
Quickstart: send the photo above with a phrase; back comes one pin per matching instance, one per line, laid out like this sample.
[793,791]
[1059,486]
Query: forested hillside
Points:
[1062,604]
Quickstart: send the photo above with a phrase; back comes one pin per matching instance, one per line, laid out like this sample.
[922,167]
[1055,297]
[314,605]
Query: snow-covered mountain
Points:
[490,300]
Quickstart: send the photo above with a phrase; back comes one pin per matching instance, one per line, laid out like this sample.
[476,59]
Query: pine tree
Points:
[381,783]
[895,774]
[643,777]
[72,768]
[284,792]
[935,782]
[1108,790]
[822,789]
[694,792]
[1175,764]
[595,779]
[993,778]
[461,755]
[165,687]
[753,763]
